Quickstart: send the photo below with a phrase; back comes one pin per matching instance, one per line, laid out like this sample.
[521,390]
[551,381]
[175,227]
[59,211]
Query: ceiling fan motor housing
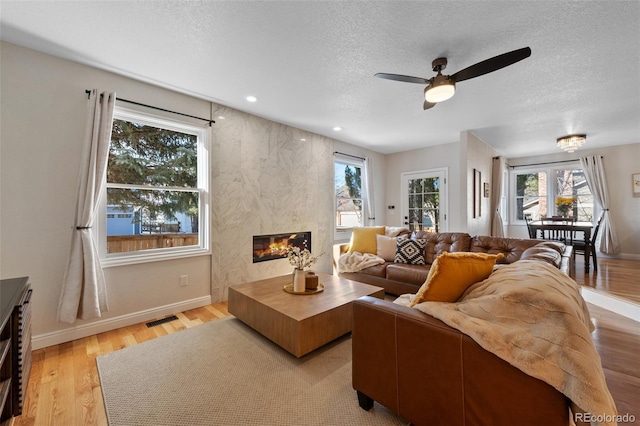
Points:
[439,64]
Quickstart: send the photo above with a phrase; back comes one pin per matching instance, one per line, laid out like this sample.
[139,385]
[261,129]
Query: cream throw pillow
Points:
[386,247]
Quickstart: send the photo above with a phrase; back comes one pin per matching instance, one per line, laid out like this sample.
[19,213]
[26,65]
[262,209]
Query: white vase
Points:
[298,280]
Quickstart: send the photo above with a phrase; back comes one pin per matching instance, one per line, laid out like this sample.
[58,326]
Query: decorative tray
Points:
[289,289]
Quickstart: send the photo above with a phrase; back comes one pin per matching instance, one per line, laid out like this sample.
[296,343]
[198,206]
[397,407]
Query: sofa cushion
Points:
[376,270]
[556,245]
[546,254]
[452,273]
[512,248]
[438,243]
[386,247]
[411,274]
[409,251]
[363,239]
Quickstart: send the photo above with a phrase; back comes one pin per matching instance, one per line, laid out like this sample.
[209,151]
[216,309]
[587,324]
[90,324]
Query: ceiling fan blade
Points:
[427,105]
[491,64]
[404,78]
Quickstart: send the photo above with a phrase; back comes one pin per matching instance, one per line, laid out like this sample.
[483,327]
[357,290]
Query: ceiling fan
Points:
[442,87]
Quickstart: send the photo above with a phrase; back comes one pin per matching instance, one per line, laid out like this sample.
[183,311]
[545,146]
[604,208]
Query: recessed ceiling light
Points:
[251,98]
[221,117]
[337,129]
[303,140]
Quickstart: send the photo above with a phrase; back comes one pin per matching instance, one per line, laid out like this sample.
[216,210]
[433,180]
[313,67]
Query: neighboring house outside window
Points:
[350,205]
[553,191]
[156,190]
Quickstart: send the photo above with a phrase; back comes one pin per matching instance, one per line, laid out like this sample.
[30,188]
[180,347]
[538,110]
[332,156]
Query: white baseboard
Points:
[626,256]
[100,326]
[611,303]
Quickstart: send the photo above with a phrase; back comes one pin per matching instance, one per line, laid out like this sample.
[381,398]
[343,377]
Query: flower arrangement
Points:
[301,259]
[563,204]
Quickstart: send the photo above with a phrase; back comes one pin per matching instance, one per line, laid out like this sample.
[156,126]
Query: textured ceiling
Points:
[311,64]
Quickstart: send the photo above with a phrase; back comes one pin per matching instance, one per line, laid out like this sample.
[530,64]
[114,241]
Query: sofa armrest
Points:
[338,250]
[568,261]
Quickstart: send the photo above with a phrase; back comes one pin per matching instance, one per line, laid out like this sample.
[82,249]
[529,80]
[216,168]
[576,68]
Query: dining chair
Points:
[533,234]
[579,246]
[564,235]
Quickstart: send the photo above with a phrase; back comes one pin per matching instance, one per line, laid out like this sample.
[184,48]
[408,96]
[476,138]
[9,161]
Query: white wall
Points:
[620,162]
[264,181]
[439,156]
[460,158]
[476,154]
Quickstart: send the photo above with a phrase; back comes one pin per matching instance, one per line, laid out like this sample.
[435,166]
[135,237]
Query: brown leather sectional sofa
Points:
[432,374]
[401,278]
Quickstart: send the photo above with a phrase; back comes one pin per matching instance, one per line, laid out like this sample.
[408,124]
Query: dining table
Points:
[573,227]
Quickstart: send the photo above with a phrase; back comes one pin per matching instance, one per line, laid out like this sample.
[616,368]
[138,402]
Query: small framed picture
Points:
[635,184]
[486,189]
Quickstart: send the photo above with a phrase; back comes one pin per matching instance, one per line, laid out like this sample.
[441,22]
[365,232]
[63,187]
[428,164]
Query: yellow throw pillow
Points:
[363,239]
[452,273]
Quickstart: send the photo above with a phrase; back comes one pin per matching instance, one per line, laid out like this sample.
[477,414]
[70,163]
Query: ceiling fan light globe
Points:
[439,93]
[440,90]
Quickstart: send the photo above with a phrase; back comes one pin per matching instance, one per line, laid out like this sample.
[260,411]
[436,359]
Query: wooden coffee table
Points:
[299,323]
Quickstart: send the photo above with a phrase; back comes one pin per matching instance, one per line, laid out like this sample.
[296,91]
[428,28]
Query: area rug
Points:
[224,373]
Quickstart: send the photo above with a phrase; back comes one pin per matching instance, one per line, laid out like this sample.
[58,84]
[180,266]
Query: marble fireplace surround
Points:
[274,246]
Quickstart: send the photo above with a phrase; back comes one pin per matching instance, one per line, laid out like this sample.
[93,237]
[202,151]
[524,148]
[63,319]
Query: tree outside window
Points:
[349,200]
[153,196]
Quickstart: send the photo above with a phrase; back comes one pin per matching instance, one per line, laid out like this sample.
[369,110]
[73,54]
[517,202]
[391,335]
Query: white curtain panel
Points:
[497,172]
[84,294]
[368,190]
[593,167]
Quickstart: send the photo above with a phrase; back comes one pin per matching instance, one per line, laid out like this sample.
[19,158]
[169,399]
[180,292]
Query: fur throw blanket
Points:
[355,261]
[532,315]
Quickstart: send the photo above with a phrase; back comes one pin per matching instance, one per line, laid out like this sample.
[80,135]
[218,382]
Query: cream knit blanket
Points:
[356,261]
[532,315]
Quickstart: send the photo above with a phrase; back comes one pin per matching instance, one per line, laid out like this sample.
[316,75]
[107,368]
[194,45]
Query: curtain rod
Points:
[544,164]
[349,155]
[209,120]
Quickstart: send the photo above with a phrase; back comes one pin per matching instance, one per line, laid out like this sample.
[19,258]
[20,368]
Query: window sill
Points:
[151,256]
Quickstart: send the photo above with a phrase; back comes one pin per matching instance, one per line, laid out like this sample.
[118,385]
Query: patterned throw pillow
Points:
[410,251]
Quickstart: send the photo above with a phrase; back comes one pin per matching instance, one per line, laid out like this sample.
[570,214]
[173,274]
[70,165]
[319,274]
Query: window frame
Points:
[152,255]
[551,187]
[343,233]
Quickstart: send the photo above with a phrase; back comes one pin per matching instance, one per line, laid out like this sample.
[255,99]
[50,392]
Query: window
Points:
[575,194]
[156,188]
[531,195]
[350,201]
[552,192]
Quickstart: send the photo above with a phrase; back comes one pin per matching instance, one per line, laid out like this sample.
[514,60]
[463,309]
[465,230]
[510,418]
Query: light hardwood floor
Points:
[64,388]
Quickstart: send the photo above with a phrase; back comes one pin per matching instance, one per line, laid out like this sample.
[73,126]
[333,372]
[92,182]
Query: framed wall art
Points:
[477,193]
[635,184]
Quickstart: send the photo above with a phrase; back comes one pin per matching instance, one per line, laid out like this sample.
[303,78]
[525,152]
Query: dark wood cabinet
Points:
[15,345]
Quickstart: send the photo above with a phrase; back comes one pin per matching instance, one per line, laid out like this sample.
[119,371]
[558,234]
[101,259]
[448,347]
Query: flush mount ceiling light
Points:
[251,99]
[571,142]
[337,129]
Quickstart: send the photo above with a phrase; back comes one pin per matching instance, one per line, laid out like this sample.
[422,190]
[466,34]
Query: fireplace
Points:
[274,246]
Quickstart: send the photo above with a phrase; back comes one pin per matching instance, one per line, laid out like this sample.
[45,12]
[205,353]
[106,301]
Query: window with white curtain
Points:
[156,198]
[350,204]
[551,191]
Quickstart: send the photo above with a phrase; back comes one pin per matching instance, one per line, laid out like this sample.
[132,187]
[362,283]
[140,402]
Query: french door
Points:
[424,200]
